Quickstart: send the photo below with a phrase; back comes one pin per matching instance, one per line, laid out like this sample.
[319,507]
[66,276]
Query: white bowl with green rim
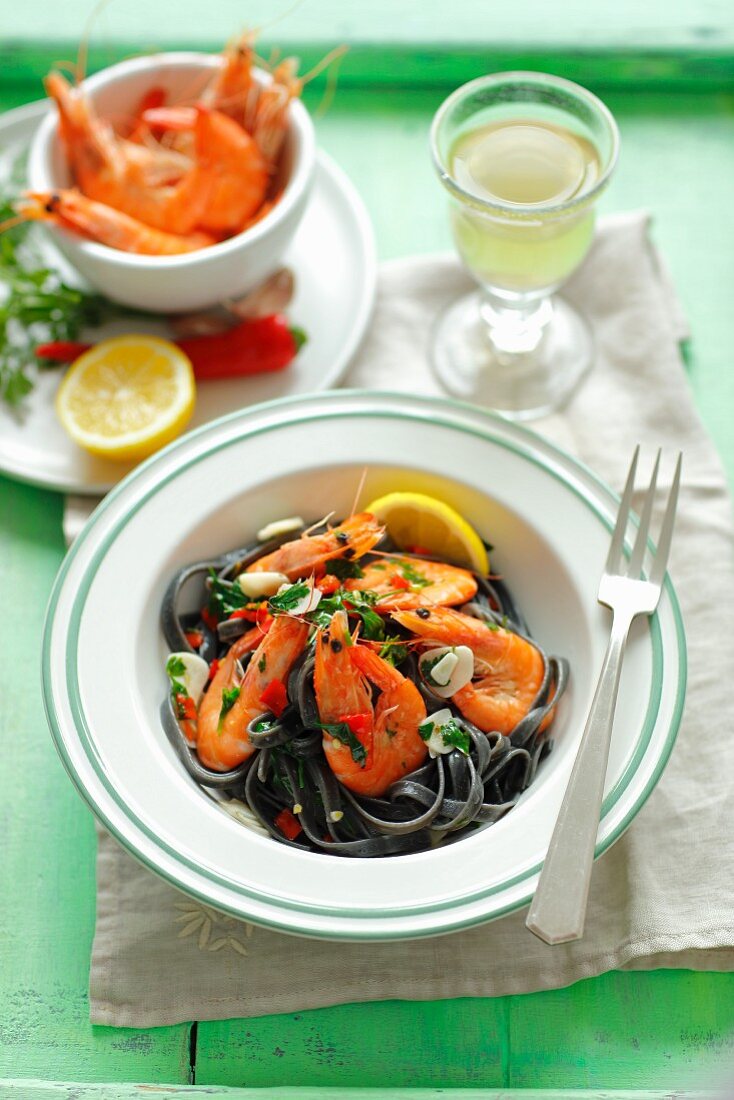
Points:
[549,519]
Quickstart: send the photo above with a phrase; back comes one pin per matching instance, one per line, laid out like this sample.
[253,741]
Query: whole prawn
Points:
[302,556]
[391,742]
[222,739]
[508,669]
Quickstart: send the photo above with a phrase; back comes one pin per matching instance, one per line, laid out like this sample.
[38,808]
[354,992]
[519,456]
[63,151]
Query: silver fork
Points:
[558,909]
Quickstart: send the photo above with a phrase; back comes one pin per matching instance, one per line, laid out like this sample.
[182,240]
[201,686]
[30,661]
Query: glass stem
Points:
[515,324]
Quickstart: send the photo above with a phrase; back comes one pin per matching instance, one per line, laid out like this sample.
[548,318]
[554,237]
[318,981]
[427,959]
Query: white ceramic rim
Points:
[297,183]
[70,731]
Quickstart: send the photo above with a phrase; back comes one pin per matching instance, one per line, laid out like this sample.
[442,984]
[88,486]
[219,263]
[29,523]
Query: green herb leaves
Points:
[37,307]
[175,667]
[289,599]
[411,574]
[342,732]
[229,698]
[224,597]
[343,569]
[450,732]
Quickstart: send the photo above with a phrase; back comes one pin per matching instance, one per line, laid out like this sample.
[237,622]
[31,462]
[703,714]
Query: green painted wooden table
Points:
[669,82]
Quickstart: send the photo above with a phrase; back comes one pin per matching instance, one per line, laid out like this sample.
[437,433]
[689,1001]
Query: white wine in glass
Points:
[524,157]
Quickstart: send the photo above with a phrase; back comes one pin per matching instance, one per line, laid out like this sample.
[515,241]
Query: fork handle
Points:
[558,909]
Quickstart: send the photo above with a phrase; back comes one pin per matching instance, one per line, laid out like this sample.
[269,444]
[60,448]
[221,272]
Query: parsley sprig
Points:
[37,306]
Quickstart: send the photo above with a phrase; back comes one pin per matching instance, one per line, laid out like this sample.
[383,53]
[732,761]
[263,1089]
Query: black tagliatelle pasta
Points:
[290,783]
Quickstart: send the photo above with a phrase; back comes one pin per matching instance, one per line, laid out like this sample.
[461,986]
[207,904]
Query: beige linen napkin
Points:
[662,896]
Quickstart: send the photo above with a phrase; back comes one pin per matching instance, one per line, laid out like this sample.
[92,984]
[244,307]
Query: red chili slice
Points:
[399,582]
[209,618]
[359,724]
[289,825]
[275,697]
[194,638]
[186,707]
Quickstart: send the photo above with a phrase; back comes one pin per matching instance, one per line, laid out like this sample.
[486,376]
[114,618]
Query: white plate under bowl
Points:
[103,657]
[333,258]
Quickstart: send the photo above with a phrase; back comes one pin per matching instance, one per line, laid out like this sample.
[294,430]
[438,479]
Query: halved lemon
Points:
[415,519]
[127,396]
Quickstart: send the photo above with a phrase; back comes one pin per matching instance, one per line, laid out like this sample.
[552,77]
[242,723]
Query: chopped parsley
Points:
[262,663]
[342,732]
[225,597]
[289,599]
[261,725]
[373,627]
[175,667]
[411,574]
[342,569]
[394,650]
[452,734]
[229,698]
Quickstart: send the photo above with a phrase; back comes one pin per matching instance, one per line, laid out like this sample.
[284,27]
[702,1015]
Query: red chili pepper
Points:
[289,825]
[263,618]
[329,584]
[399,582]
[275,697]
[213,668]
[209,618]
[359,724]
[186,707]
[194,638]
[61,351]
[418,550]
[252,347]
[249,614]
[257,346]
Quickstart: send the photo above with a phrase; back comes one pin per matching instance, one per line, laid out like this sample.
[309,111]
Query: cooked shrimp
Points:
[392,743]
[300,557]
[508,670]
[72,210]
[222,741]
[405,583]
[232,169]
[119,175]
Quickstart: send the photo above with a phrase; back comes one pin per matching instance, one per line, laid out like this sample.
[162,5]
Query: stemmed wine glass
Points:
[524,156]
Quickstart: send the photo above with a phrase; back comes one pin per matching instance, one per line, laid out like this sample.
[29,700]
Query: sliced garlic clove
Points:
[256,585]
[447,677]
[195,674]
[280,527]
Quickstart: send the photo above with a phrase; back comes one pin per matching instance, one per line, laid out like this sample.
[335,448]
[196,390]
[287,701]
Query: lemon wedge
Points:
[127,396]
[415,519]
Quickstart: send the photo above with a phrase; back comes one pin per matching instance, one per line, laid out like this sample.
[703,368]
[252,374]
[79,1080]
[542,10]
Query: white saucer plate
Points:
[549,519]
[333,258]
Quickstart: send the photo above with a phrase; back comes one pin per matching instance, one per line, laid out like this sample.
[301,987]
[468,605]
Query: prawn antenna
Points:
[331,62]
[358,494]
[83,52]
[279,17]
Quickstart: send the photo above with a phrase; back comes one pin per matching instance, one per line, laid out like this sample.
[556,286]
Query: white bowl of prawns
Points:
[223,211]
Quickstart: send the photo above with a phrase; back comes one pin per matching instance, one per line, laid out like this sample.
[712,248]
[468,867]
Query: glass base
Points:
[533,373]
